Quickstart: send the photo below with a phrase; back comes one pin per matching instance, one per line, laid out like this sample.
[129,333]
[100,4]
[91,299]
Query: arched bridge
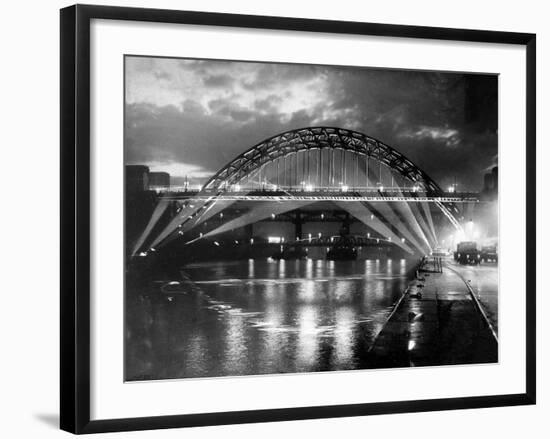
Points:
[320,157]
[296,168]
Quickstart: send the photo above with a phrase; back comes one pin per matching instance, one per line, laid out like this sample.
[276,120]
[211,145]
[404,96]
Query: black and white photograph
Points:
[293,218]
[266,220]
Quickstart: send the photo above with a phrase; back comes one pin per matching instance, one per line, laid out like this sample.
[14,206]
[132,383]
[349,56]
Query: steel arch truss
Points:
[314,138]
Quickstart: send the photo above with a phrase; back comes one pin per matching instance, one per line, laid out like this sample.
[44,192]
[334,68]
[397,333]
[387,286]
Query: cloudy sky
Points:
[191,117]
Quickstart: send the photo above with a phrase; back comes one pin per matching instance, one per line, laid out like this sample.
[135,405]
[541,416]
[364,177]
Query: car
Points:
[467,253]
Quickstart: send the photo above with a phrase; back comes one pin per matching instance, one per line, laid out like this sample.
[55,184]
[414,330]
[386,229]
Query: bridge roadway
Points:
[349,194]
[443,325]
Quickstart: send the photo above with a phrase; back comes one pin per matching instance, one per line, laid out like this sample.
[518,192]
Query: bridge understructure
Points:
[322,176]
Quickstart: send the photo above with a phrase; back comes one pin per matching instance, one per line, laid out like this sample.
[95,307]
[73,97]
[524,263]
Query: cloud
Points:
[223,80]
[268,104]
[201,114]
[162,75]
[449,136]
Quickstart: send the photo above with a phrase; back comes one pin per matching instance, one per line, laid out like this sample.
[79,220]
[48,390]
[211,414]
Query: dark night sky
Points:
[191,117]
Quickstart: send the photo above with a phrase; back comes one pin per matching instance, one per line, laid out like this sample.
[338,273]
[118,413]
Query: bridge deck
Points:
[347,196]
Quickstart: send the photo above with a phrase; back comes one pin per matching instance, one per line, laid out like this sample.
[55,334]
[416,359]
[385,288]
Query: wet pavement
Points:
[484,282]
[437,322]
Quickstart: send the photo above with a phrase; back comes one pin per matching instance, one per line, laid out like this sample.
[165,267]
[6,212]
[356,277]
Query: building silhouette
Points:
[140,179]
[137,178]
[159,181]
[490,184]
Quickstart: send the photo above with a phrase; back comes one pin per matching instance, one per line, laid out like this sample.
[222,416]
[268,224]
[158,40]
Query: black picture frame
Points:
[75,217]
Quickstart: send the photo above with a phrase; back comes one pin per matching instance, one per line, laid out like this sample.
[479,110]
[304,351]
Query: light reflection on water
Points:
[263,316]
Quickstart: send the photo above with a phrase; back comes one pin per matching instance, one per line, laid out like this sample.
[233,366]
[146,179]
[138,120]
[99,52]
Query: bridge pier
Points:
[249,232]
[346,223]
[298,222]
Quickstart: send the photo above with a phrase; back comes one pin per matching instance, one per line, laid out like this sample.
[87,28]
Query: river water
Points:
[261,317]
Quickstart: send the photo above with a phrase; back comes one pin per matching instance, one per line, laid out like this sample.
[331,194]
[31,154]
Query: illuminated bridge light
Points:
[322,216]
[237,188]
[216,243]
[402,239]
[309,188]
[344,188]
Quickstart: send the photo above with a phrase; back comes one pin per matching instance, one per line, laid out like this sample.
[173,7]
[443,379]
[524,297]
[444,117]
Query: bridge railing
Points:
[292,188]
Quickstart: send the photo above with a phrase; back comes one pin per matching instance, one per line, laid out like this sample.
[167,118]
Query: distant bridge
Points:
[327,241]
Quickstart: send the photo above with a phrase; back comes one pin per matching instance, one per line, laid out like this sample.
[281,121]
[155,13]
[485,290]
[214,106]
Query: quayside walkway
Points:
[436,322]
